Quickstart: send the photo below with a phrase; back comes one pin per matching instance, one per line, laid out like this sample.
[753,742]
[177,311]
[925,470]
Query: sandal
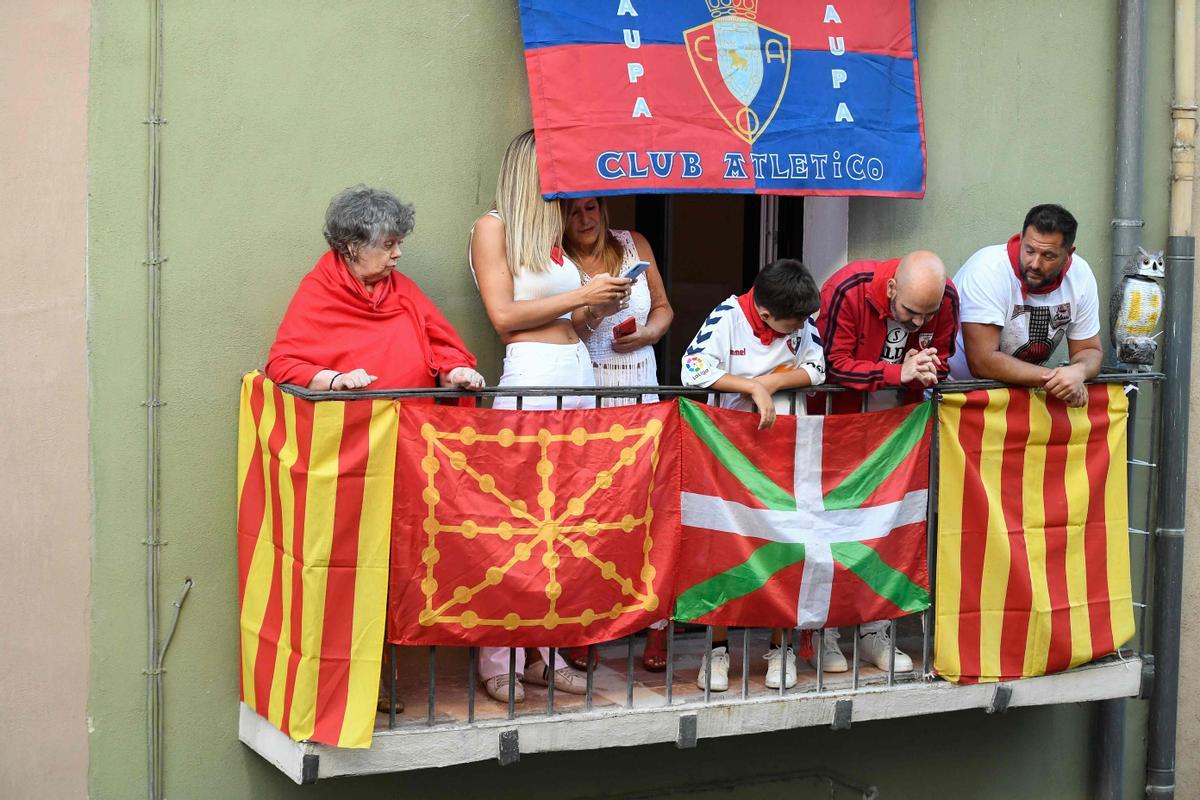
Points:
[384,704]
[654,656]
[577,657]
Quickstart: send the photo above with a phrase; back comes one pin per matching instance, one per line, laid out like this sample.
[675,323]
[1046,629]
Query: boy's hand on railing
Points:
[463,378]
[765,404]
[354,379]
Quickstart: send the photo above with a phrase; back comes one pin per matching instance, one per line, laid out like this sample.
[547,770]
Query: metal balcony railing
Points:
[437,714]
[439,686]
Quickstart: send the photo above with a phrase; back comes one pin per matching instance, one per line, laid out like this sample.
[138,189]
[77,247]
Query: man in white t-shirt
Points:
[1019,300]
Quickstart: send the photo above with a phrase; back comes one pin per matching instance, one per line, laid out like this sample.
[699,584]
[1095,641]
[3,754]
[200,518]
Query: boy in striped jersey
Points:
[755,347]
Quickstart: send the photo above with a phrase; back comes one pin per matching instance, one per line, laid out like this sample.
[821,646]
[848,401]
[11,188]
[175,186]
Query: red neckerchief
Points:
[765,333]
[1014,259]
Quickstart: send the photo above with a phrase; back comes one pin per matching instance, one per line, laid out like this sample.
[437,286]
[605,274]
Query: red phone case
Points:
[624,328]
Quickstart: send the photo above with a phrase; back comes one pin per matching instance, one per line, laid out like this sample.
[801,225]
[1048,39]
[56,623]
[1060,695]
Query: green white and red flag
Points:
[819,521]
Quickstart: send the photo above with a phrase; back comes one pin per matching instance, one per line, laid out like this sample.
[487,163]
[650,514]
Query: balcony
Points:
[440,716]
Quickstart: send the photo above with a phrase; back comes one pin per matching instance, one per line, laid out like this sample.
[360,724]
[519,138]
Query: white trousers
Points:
[538,364]
[541,364]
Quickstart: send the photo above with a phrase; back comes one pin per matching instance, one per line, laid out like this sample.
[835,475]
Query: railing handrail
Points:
[948,387]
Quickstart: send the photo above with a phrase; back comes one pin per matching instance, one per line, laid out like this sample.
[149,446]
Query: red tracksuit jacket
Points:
[853,326]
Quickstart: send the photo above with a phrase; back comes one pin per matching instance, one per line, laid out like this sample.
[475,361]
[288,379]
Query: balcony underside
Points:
[415,744]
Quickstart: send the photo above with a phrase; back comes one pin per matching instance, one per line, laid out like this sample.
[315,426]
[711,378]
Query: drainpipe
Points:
[1127,191]
[1169,537]
[153,541]
[1126,236]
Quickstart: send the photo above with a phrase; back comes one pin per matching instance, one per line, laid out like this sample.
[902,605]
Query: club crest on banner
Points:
[742,66]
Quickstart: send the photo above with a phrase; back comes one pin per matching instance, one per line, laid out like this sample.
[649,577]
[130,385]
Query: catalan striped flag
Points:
[315,487]
[1033,548]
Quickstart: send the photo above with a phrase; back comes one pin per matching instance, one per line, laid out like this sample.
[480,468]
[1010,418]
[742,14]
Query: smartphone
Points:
[625,327]
[637,270]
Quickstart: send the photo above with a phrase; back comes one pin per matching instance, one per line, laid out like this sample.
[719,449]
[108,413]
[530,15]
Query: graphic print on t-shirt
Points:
[893,343]
[1035,331]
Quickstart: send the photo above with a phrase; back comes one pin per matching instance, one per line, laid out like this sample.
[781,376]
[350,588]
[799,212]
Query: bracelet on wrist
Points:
[334,378]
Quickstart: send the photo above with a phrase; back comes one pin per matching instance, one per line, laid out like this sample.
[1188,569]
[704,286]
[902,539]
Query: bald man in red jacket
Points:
[888,330]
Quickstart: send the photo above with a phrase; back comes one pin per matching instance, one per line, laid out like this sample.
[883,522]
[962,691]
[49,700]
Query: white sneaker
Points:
[720,669]
[775,660]
[497,689]
[566,679]
[832,659]
[874,647]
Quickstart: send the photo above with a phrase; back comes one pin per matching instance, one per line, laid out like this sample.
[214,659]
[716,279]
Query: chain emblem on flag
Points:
[556,526]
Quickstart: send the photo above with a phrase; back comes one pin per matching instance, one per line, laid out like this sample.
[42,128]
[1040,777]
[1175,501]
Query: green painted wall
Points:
[1020,110]
[274,106]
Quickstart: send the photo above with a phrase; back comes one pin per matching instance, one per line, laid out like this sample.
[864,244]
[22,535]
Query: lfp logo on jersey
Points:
[742,66]
[752,96]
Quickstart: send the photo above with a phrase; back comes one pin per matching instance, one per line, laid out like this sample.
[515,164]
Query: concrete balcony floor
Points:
[418,742]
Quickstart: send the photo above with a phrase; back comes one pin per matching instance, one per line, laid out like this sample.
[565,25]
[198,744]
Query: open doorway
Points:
[708,246]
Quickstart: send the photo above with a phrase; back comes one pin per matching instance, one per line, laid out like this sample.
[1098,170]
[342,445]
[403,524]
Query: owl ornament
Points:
[1135,309]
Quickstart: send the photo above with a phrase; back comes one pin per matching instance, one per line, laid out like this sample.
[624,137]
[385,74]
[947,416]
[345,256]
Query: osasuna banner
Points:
[533,528]
[818,522]
[752,96]
[1033,533]
[314,519]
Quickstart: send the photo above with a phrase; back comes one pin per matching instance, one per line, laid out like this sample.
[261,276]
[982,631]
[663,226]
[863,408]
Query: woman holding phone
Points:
[620,336]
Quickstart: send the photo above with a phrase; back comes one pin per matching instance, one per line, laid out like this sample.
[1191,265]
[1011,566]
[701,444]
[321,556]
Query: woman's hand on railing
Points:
[354,379]
[463,378]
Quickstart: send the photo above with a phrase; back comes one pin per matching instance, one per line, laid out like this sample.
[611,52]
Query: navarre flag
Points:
[751,96]
[314,489]
[1033,533]
[524,528]
[818,521]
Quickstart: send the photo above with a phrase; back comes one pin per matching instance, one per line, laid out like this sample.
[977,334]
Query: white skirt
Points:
[542,364]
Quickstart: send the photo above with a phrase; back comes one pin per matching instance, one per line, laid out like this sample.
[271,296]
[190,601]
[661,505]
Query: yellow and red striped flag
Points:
[1033,533]
[315,485]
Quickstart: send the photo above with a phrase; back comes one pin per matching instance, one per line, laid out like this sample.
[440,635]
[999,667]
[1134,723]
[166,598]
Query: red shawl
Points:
[394,332]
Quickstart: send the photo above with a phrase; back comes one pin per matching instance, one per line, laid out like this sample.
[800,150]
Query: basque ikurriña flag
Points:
[751,96]
[533,527]
[819,521]
[1033,533]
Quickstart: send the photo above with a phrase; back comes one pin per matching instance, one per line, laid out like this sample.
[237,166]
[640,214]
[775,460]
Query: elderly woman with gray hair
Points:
[356,322]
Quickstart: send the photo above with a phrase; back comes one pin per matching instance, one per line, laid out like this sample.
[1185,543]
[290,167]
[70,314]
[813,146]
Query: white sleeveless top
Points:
[534,285]
[637,368]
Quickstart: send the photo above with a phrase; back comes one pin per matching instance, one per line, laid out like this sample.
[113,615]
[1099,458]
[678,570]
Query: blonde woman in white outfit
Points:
[530,289]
